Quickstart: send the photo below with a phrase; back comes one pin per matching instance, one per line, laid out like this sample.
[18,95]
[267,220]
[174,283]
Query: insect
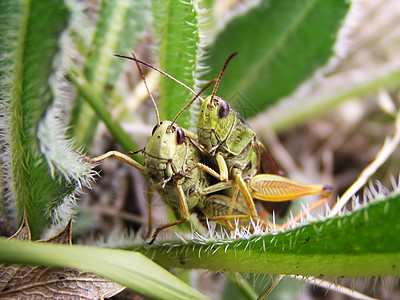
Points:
[239,155]
[173,165]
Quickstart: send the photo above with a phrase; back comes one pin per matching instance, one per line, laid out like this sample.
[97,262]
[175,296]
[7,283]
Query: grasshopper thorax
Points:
[215,122]
[165,152]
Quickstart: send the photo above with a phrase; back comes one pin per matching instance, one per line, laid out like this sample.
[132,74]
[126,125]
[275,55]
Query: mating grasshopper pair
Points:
[173,162]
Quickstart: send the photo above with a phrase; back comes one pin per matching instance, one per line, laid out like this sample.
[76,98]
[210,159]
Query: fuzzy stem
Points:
[17,149]
[345,245]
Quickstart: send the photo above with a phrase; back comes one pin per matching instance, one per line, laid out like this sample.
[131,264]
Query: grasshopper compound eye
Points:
[223,109]
[180,136]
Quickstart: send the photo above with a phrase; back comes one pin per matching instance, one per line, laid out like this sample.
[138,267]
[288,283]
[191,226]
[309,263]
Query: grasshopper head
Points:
[165,152]
[215,121]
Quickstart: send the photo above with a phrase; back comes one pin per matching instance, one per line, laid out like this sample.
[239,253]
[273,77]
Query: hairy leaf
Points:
[280,43]
[176,28]
[40,168]
[355,244]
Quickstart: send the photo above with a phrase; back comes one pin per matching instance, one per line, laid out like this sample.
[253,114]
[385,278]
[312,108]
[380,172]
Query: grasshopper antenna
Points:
[221,73]
[191,101]
[159,71]
[147,88]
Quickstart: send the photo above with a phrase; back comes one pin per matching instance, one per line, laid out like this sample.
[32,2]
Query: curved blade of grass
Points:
[96,102]
[120,24]
[236,285]
[177,34]
[284,118]
[30,31]
[280,44]
[365,242]
[131,269]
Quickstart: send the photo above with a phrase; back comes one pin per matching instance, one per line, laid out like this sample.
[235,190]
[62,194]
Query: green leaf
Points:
[359,243]
[36,181]
[120,25]
[128,268]
[280,43]
[176,28]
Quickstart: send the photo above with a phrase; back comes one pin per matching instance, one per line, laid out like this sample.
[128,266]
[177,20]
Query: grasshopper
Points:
[172,162]
[225,137]
[239,155]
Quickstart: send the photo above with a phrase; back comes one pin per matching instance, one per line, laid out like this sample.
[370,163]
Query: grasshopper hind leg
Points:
[275,188]
[326,195]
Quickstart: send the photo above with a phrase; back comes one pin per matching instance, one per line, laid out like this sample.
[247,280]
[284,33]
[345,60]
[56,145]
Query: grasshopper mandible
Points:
[173,165]
[239,155]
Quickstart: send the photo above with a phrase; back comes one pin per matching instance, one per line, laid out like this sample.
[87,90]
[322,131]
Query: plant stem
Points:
[98,106]
[297,114]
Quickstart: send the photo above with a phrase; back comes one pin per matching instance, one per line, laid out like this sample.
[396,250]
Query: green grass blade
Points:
[176,25]
[302,111]
[120,25]
[36,181]
[365,242]
[280,43]
[80,28]
[237,283]
[128,268]
[97,103]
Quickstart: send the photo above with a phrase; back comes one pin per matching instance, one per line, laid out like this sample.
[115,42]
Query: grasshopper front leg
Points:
[184,212]
[118,155]
[150,194]
[126,159]
[223,168]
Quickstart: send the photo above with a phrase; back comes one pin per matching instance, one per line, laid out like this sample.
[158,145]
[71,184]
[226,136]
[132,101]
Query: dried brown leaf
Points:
[63,237]
[23,233]
[33,282]
[52,283]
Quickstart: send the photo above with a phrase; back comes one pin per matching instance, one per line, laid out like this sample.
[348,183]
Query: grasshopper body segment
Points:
[239,155]
[222,131]
[220,126]
[235,148]
[170,158]
[217,205]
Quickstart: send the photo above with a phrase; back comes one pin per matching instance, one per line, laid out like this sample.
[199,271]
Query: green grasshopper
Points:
[239,155]
[173,165]
[224,135]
